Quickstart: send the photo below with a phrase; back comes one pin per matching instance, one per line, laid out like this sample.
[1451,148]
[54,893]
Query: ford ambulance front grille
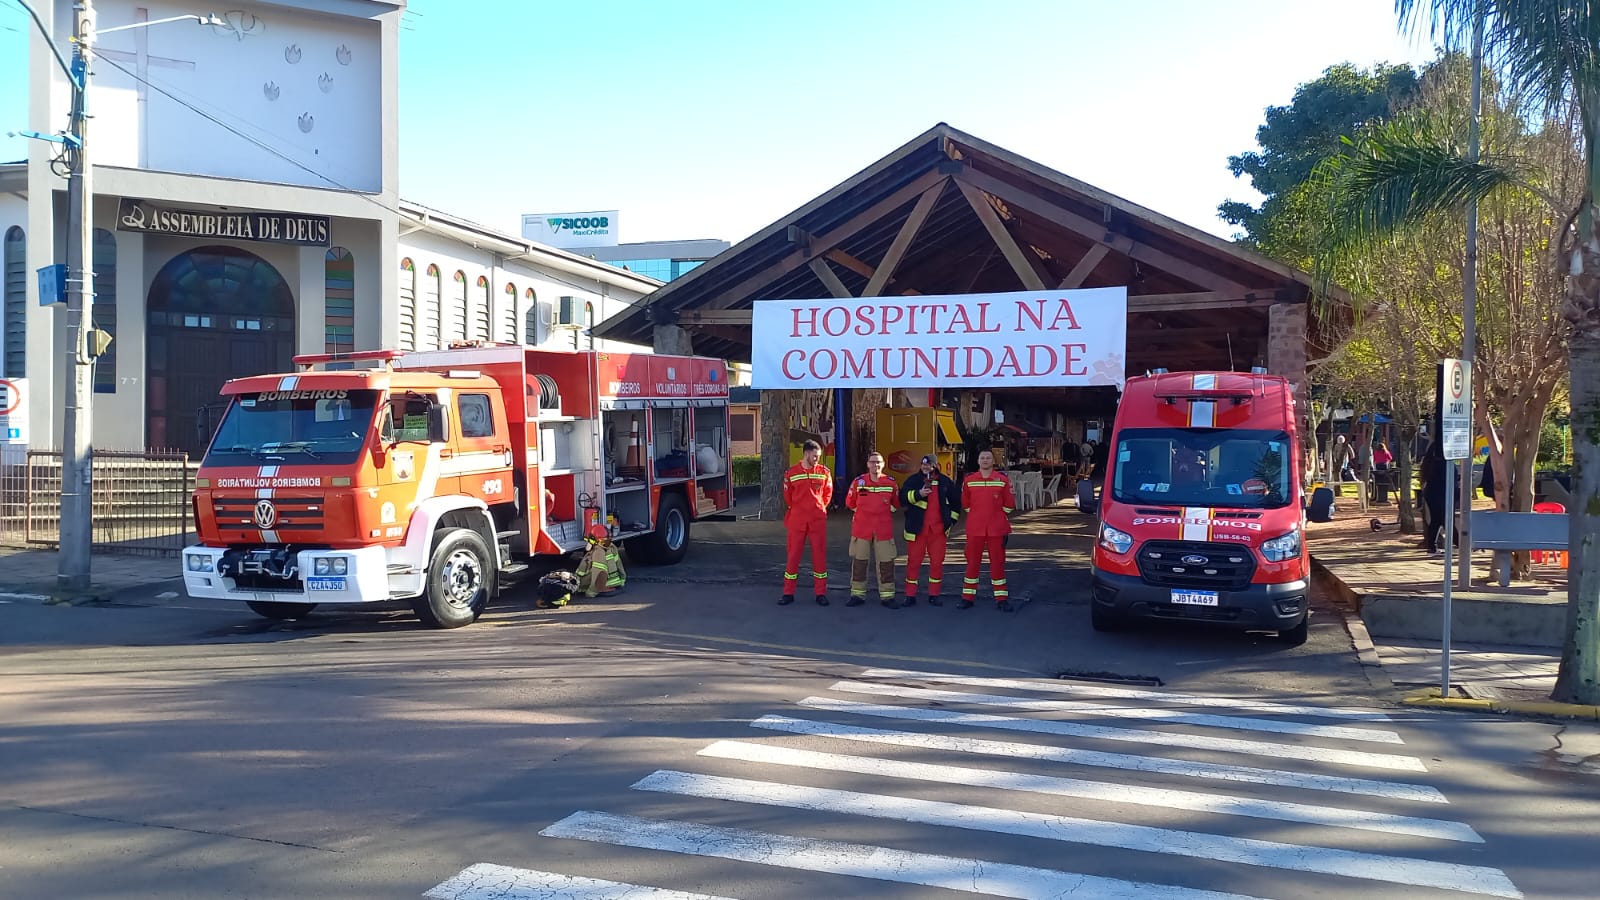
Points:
[1196,564]
[289,513]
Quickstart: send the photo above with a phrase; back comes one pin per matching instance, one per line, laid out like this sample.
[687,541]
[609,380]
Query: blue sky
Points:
[711,119]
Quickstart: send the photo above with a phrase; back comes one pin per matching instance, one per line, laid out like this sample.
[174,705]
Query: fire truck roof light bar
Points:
[309,360]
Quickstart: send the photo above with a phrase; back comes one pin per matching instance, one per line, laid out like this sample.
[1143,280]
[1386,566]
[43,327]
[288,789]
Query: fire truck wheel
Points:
[670,541]
[280,611]
[458,580]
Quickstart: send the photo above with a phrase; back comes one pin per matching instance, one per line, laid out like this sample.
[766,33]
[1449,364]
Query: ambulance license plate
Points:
[1194,598]
[337,583]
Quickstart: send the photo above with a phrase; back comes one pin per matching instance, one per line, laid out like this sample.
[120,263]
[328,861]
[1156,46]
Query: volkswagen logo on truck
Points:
[266,515]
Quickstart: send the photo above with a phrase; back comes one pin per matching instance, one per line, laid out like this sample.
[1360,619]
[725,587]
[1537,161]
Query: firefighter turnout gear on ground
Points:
[928,521]
[807,491]
[988,499]
[874,500]
[601,570]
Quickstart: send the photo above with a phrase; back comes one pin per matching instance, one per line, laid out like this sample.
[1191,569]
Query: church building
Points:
[246,209]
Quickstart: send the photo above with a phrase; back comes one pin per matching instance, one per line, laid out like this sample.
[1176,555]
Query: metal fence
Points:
[140,503]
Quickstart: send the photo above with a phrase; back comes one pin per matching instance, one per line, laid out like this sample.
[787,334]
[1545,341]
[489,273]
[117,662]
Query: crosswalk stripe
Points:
[1097,790]
[1131,735]
[486,881]
[973,876]
[1389,790]
[1172,716]
[1118,693]
[1249,851]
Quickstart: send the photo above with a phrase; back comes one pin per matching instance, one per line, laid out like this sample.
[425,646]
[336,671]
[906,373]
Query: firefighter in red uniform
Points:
[933,504]
[986,496]
[873,497]
[807,490]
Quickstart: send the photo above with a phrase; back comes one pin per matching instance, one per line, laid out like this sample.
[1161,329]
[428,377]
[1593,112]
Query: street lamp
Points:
[77,497]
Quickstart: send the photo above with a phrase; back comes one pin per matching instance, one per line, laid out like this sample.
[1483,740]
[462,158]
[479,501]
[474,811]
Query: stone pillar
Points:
[776,416]
[673,340]
[1286,347]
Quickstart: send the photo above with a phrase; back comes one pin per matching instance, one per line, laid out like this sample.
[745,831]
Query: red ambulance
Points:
[1201,514]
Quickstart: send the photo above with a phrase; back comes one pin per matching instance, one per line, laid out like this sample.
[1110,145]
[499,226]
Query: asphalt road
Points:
[693,737]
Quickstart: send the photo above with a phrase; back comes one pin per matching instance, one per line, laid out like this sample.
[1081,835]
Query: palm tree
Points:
[1400,175]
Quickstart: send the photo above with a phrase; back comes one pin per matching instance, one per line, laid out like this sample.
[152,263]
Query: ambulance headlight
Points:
[199,562]
[1282,547]
[1114,540]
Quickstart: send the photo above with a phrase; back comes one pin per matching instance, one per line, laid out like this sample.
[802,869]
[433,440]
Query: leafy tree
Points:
[1296,137]
[1548,52]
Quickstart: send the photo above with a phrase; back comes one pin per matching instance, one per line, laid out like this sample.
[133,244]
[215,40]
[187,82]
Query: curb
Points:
[1429,697]
[1367,653]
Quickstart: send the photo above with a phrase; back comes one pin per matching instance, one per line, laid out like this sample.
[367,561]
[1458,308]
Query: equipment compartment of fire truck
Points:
[430,476]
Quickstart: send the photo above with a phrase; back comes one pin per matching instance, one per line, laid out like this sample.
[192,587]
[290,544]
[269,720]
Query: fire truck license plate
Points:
[1195,598]
[337,583]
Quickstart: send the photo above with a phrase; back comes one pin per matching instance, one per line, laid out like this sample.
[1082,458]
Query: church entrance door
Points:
[215,313]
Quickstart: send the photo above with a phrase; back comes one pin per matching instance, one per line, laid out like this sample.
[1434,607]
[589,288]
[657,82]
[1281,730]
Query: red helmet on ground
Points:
[598,532]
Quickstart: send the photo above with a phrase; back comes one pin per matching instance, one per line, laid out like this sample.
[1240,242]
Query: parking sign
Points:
[1455,409]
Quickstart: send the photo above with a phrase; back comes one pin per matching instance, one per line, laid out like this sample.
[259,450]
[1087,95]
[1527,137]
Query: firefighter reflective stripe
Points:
[1000,590]
[809,476]
[791,576]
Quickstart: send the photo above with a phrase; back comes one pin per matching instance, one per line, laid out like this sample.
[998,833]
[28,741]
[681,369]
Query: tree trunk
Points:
[1402,462]
[1579,678]
[777,412]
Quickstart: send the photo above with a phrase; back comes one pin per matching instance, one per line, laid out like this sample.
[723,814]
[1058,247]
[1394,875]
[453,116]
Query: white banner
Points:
[1025,339]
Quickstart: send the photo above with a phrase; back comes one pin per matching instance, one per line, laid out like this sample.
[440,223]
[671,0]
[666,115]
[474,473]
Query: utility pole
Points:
[1469,313]
[77,480]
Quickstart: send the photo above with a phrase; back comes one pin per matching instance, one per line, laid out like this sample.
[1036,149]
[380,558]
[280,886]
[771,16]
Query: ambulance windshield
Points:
[293,428]
[1226,468]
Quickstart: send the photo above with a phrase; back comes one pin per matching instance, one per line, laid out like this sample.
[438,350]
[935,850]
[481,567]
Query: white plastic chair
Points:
[1032,485]
[1050,490]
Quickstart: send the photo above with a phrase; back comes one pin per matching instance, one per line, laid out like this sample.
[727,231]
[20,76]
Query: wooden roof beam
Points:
[1096,231]
[902,241]
[828,277]
[1084,267]
[1014,254]
[823,242]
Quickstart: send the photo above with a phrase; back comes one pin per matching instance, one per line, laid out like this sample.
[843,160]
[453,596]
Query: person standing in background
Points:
[873,497]
[807,491]
[933,505]
[987,499]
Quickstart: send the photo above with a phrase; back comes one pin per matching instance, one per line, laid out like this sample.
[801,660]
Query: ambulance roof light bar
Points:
[309,361]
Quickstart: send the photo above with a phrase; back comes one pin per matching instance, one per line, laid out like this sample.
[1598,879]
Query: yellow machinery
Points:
[906,434]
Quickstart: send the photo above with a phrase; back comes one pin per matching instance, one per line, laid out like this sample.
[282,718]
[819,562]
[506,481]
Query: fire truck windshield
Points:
[290,428]
[1214,467]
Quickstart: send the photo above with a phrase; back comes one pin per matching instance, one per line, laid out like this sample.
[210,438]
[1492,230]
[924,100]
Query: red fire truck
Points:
[1201,517]
[431,476]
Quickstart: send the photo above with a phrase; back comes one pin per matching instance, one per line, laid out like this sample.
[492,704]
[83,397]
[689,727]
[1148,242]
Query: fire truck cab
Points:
[1201,515]
[431,476]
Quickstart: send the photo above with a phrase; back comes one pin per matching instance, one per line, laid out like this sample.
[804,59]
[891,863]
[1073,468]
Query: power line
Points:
[192,107]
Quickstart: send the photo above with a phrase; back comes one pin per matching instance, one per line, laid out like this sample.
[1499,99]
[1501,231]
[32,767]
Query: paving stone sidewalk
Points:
[31,573]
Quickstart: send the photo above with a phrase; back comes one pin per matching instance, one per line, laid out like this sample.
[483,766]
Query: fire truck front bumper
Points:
[1264,607]
[280,575]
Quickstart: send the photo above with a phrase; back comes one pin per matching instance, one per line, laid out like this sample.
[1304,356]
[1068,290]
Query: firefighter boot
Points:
[858,582]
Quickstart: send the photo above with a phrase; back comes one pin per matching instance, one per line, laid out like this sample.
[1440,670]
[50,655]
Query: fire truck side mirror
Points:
[438,427]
